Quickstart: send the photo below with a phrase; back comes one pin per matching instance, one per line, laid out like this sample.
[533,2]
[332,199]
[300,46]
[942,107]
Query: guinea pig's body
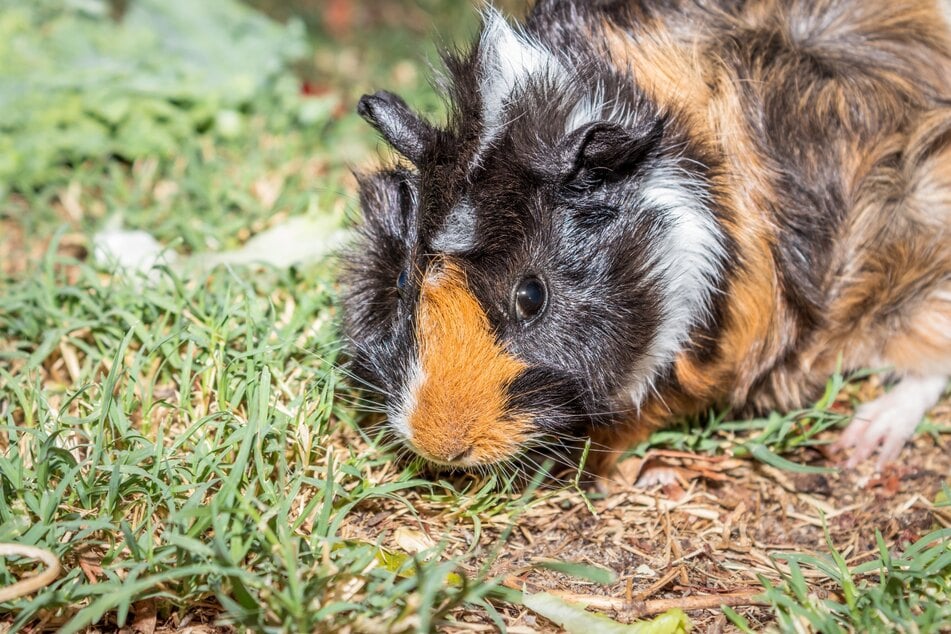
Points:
[640,209]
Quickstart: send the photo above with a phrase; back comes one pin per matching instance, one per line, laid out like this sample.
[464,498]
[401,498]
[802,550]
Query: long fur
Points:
[724,199]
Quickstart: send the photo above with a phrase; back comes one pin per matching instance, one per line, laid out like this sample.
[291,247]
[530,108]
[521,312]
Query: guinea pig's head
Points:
[515,283]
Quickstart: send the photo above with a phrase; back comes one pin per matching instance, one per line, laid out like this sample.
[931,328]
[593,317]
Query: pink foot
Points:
[890,420]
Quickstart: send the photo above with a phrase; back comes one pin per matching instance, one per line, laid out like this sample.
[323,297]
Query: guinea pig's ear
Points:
[401,127]
[604,151]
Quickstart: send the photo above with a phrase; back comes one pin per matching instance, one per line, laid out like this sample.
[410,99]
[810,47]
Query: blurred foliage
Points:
[353,20]
[77,84]
[393,44]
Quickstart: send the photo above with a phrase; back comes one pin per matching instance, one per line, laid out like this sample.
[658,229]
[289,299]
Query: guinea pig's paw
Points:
[657,475]
[890,420]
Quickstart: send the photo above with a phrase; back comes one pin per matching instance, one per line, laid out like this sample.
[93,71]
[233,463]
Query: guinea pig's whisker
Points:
[369,410]
[365,404]
[364,383]
[539,460]
[342,369]
[364,409]
[379,429]
[541,468]
[505,472]
[548,441]
[555,456]
[556,415]
[660,397]
[356,399]
[394,447]
[539,465]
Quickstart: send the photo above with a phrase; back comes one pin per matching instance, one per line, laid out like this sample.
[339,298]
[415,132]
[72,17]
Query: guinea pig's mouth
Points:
[542,460]
[545,417]
[468,462]
[461,450]
[464,460]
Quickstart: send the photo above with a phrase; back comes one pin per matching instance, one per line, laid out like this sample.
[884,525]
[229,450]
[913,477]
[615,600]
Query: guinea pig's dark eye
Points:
[530,298]
[401,279]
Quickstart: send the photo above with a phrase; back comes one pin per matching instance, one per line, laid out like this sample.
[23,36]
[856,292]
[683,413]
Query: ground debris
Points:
[707,546]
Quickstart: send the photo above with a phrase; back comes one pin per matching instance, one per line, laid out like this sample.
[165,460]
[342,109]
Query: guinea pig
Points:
[640,209]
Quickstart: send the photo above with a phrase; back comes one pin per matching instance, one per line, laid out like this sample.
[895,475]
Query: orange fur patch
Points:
[460,405]
[670,71]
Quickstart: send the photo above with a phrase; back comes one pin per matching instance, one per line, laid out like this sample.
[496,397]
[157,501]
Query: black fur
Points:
[798,132]
[559,204]
[401,127]
[378,316]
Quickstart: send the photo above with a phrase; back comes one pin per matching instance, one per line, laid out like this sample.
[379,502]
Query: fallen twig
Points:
[659,585]
[697,602]
[639,609]
[30,584]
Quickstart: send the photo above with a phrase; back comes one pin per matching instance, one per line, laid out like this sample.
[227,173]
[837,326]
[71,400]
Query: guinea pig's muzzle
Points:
[468,401]
[455,400]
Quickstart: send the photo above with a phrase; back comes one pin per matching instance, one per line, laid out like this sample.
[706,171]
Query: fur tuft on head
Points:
[553,167]
[509,59]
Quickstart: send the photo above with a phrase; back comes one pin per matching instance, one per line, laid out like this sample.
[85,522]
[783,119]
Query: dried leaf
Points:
[412,541]
[146,616]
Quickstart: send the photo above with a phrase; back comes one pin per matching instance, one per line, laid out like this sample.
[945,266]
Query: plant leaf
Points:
[763,454]
[576,620]
[589,572]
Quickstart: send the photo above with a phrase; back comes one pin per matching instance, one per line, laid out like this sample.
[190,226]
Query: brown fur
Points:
[461,404]
[821,130]
[878,127]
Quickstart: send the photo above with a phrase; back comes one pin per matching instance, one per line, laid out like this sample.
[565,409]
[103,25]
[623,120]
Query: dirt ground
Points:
[677,545]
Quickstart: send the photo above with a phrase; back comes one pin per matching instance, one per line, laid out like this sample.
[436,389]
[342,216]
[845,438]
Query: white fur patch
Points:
[458,232]
[688,262]
[509,59]
[399,412]
[595,107]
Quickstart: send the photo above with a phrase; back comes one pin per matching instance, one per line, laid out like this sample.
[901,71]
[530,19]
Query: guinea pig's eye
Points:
[402,279]
[530,298]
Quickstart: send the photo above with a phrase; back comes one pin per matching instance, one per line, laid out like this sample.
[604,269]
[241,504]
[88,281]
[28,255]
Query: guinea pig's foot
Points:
[890,420]
[657,475]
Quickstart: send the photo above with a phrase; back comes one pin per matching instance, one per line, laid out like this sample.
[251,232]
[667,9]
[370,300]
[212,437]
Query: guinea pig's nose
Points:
[447,453]
[462,455]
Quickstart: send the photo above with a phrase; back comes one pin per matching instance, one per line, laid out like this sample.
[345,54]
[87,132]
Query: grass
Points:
[187,447]
[764,438]
[904,592]
[180,441]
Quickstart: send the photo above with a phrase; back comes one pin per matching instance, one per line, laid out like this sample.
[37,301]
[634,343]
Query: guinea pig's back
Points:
[829,123]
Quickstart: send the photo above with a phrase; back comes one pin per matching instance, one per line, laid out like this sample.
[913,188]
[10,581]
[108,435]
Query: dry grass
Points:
[717,535]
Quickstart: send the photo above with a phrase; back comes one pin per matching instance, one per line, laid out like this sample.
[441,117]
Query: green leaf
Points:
[737,619]
[589,572]
[763,454]
[576,620]
[76,84]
